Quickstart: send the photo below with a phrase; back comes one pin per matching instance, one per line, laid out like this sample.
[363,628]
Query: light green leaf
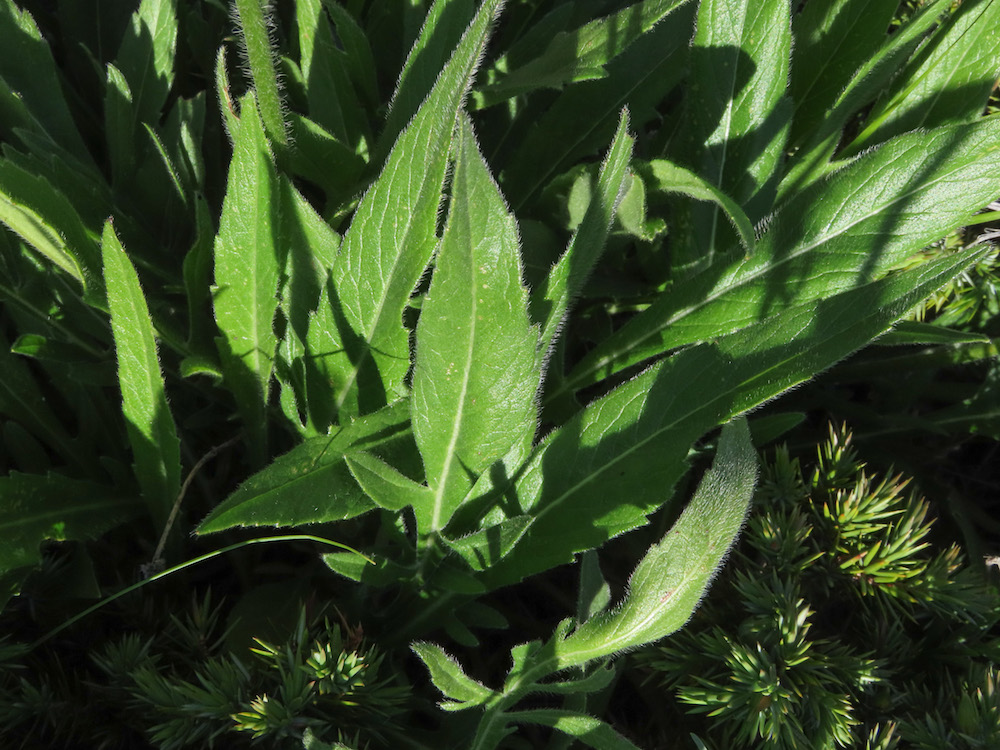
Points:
[392,237]
[633,442]
[590,731]
[247,262]
[146,57]
[34,508]
[448,676]
[668,583]
[386,487]
[667,177]
[564,283]
[833,236]
[949,81]
[151,430]
[44,218]
[442,29]
[486,547]
[476,372]
[581,54]
[311,483]
[256,32]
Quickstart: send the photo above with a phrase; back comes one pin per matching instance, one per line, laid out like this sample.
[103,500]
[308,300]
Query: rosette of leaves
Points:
[840,625]
[433,278]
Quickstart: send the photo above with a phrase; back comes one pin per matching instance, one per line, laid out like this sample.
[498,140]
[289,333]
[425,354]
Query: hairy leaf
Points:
[247,263]
[392,237]
[150,426]
[476,370]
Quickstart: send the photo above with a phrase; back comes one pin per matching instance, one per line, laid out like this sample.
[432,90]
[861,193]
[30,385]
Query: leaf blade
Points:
[476,371]
[150,426]
[247,264]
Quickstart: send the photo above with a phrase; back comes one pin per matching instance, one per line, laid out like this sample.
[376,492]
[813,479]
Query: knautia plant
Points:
[485,316]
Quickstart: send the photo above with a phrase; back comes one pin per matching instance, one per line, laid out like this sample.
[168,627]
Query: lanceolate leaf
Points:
[43,217]
[813,157]
[582,119]
[257,42]
[150,426]
[834,235]
[832,41]
[448,676]
[27,67]
[739,69]
[948,81]
[566,280]
[667,177]
[581,54]
[631,444]
[588,730]
[247,261]
[441,31]
[392,236]
[311,483]
[671,579]
[476,372]
[146,56]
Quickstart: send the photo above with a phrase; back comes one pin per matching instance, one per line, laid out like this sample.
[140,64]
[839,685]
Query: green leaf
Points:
[486,547]
[448,677]
[581,54]
[151,430]
[443,27]
[323,160]
[566,280]
[35,508]
[146,56]
[812,159]
[949,80]
[387,487]
[256,33]
[197,270]
[666,177]
[360,60]
[311,483]
[633,442]
[739,66]
[910,332]
[590,731]
[583,118]
[28,73]
[832,40]
[22,399]
[226,107]
[46,220]
[332,100]
[476,370]
[247,263]
[668,583]
[834,235]
[392,237]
